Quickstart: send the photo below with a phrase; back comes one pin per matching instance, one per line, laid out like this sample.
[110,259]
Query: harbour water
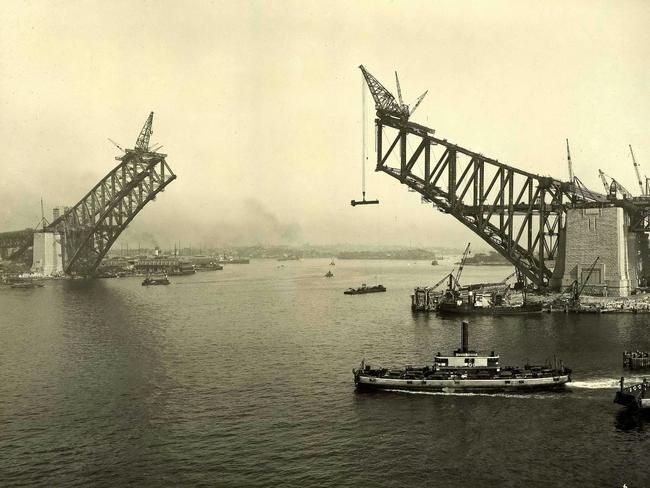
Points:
[242,378]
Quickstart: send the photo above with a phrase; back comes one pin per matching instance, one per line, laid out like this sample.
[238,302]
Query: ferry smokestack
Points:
[465,338]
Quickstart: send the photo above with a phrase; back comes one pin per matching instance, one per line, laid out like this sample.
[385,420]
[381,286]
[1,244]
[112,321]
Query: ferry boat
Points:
[463,370]
[634,396]
[365,289]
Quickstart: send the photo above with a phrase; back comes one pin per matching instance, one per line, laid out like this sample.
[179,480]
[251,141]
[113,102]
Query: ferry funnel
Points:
[464,347]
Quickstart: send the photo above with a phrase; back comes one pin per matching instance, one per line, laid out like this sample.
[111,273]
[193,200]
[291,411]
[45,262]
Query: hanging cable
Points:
[364,148]
[363,137]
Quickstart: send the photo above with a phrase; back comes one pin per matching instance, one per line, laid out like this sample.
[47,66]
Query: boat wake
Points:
[475,394]
[602,383]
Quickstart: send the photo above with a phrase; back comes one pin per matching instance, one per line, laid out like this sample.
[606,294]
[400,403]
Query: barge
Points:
[463,370]
[363,289]
[477,308]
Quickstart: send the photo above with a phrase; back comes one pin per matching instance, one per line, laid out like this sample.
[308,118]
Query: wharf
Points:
[426,299]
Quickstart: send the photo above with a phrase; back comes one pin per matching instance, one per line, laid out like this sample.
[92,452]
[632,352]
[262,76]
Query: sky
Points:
[259,107]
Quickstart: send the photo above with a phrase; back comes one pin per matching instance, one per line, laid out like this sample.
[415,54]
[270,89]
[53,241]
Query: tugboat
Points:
[155,281]
[365,289]
[329,274]
[463,370]
[634,396]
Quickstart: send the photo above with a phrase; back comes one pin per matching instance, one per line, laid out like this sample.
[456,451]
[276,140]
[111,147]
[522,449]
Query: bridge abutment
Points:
[47,254]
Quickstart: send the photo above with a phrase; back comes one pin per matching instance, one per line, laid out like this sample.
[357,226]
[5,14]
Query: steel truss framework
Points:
[89,229]
[14,244]
[517,213]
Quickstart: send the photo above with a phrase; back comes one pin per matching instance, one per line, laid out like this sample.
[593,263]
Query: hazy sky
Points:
[258,105]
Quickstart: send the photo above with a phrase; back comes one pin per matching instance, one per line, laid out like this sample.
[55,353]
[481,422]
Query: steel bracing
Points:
[14,244]
[519,214]
[89,228]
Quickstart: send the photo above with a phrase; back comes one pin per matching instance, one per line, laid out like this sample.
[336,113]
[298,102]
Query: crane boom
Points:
[145,134]
[462,264]
[399,91]
[636,170]
[604,180]
[443,280]
[419,101]
[577,294]
[384,100]
[568,157]
[613,188]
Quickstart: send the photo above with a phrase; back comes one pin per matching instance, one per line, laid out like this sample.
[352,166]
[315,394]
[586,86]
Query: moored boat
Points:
[155,281]
[365,289]
[634,396]
[463,370]
[27,284]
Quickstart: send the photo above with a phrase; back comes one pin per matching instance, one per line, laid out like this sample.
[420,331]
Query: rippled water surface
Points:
[242,377]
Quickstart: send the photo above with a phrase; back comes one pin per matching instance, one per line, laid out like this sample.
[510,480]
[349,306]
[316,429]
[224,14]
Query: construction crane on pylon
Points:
[613,187]
[644,191]
[568,157]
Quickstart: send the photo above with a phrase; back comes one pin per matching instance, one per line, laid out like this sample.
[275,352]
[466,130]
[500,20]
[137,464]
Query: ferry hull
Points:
[471,385]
